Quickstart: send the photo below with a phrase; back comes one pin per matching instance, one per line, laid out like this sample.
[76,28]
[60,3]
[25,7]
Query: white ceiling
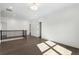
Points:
[23,11]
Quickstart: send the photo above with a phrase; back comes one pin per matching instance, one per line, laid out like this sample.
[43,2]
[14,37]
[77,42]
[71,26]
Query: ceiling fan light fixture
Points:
[34,7]
[9,8]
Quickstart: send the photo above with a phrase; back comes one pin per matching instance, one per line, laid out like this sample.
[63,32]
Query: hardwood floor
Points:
[28,47]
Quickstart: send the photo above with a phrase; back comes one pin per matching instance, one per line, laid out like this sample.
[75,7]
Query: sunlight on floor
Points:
[42,47]
[50,52]
[50,43]
[62,50]
[47,47]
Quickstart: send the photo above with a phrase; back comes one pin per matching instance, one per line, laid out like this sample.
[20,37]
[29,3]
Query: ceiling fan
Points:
[34,6]
[10,9]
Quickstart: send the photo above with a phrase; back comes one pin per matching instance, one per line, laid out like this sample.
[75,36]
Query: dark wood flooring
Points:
[27,47]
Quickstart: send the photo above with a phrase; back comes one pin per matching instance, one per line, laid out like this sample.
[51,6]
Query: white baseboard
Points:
[11,39]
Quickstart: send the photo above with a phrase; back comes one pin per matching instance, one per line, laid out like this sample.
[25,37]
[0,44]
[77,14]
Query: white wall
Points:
[62,26]
[35,28]
[15,24]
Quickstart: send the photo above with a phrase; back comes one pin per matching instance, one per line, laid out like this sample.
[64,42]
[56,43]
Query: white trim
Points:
[11,39]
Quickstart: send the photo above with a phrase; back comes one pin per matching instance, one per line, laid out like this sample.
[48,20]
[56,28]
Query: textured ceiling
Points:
[23,11]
